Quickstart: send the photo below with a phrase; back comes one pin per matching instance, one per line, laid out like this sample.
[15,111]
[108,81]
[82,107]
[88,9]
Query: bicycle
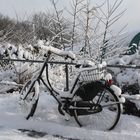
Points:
[91,99]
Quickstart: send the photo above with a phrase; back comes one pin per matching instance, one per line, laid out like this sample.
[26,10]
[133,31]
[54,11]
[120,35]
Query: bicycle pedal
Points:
[67,117]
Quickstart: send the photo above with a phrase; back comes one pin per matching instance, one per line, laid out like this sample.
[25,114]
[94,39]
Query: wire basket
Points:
[92,74]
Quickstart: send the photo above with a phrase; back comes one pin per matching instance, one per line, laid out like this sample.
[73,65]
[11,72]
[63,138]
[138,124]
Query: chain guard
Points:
[82,108]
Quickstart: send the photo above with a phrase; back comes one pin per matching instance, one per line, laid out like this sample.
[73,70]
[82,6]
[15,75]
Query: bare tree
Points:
[77,7]
[6,27]
[41,23]
[59,26]
[46,28]
[86,19]
[108,18]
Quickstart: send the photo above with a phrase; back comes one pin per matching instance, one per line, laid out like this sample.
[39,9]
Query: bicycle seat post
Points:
[67,77]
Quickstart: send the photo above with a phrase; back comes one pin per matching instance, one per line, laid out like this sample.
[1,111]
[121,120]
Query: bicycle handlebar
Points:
[67,54]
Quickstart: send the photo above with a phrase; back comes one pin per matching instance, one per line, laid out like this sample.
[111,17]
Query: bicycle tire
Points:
[101,120]
[28,100]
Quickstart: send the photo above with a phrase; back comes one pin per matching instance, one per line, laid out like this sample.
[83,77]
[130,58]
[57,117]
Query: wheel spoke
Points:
[28,101]
[107,118]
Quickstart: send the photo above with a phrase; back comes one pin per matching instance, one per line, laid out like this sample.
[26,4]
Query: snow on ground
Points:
[47,124]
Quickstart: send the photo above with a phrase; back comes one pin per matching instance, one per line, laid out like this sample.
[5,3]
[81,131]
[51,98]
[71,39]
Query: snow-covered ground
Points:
[47,124]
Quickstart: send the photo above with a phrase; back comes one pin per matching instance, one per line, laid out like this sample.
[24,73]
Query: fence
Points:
[40,61]
[66,66]
[36,61]
[68,63]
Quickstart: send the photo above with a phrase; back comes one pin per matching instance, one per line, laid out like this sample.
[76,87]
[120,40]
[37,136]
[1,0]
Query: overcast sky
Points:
[28,7]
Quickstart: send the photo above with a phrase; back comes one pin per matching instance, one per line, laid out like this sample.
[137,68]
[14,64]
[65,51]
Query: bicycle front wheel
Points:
[29,97]
[107,118]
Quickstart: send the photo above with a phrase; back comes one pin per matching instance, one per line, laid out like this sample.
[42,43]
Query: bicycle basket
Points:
[92,74]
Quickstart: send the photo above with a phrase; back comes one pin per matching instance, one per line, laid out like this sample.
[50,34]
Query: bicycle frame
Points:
[53,92]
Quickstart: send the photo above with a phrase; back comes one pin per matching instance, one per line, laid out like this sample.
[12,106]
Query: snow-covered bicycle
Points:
[92,100]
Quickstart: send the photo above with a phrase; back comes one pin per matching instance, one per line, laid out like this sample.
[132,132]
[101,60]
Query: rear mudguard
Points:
[118,93]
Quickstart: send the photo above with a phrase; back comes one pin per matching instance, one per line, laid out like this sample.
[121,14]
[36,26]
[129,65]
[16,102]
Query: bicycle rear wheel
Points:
[29,98]
[107,118]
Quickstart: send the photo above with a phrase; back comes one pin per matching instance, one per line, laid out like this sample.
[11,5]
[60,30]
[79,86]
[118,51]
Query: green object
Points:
[133,46]
[135,40]
[132,49]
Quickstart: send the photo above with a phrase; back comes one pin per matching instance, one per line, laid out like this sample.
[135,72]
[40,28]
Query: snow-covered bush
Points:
[126,76]
[20,72]
[15,71]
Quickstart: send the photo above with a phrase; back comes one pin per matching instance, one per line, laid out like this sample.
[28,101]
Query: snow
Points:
[132,97]
[48,121]
[108,77]
[2,50]
[116,90]
[126,76]
[86,62]
[10,83]
[56,51]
